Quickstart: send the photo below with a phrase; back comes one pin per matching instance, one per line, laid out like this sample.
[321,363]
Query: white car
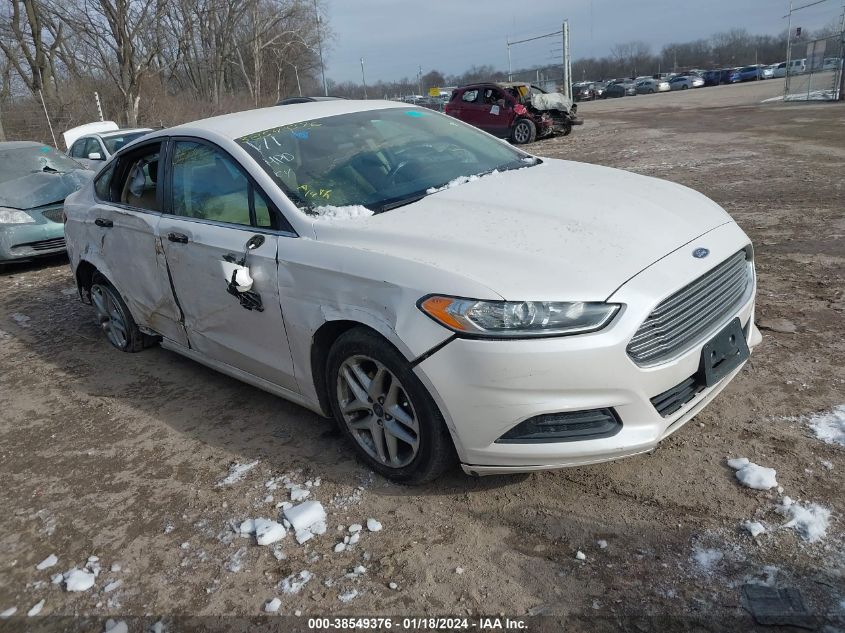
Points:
[437,291]
[97,142]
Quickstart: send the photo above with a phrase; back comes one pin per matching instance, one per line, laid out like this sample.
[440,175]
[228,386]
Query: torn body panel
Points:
[321,282]
[220,325]
[114,236]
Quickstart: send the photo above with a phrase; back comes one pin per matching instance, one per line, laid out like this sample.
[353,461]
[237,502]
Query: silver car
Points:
[686,81]
[650,86]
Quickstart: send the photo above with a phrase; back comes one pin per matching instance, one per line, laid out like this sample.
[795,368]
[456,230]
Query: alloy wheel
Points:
[378,411]
[110,315]
[521,133]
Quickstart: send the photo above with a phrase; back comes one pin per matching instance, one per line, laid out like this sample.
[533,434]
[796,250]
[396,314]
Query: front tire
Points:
[385,411]
[524,132]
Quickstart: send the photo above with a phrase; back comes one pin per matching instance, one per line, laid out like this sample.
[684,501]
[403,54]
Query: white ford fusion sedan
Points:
[442,295]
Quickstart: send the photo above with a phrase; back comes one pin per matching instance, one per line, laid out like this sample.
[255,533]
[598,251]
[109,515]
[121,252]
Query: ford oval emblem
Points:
[700,253]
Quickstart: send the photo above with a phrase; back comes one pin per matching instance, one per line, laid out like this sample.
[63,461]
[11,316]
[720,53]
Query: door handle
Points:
[180,238]
[106,224]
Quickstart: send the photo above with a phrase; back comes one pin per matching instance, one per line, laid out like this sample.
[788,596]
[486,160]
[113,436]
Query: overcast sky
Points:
[395,37]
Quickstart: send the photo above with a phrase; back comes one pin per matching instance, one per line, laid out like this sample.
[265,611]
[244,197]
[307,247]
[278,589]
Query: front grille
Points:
[54,214]
[692,312]
[46,245]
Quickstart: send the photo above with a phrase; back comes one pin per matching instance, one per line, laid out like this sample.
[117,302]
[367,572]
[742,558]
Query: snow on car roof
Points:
[240,124]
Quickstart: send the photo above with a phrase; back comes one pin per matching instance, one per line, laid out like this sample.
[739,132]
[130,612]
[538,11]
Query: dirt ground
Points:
[120,456]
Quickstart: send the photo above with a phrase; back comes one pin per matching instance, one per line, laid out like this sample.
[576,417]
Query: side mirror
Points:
[95,156]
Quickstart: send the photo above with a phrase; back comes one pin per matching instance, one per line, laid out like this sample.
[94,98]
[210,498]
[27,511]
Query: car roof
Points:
[19,144]
[238,124]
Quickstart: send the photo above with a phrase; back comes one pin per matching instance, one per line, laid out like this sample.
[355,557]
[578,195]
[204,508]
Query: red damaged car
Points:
[513,110]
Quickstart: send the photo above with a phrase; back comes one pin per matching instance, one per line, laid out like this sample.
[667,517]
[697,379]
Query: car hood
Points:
[558,231]
[41,188]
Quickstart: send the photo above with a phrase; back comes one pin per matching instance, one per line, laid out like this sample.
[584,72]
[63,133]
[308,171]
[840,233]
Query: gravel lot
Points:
[120,456]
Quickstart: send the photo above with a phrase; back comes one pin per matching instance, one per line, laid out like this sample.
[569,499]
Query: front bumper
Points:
[21,242]
[486,387]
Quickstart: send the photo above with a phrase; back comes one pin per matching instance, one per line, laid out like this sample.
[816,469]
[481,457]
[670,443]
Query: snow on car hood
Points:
[40,188]
[560,231]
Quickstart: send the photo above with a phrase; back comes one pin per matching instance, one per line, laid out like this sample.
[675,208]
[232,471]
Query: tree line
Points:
[156,60]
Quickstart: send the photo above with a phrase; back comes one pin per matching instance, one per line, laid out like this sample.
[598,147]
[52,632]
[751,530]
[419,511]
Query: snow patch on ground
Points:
[753,476]
[707,559]
[810,521]
[272,606]
[307,519]
[754,528]
[51,560]
[830,426]
[8,613]
[295,582]
[237,472]
[347,596]
[374,525]
[79,580]
[116,626]
[36,608]
[350,212]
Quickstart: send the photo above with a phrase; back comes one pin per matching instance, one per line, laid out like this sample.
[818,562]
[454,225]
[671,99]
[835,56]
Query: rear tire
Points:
[524,132]
[385,411]
[567,130]
[684,87]
[115,319]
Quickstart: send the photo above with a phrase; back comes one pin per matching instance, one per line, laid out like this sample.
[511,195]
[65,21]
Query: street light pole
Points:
[419,80]
[320,47]
[298,87]
[363,79]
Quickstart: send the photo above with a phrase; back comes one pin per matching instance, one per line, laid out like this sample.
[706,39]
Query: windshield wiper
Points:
[50,170]
[401,202]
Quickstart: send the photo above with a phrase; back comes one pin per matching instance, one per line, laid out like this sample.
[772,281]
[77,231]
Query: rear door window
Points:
[138,183]
[470,96]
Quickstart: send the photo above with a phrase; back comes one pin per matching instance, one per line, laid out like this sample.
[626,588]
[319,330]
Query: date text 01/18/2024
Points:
[418,624]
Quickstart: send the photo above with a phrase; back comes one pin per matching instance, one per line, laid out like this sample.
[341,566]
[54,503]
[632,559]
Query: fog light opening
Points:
[570,426]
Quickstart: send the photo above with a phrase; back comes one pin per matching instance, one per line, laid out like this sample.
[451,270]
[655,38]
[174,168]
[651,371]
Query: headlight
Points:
[15,216]
[515,319]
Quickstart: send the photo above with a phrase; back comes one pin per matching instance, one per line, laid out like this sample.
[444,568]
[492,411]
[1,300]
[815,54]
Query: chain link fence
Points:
[814,70]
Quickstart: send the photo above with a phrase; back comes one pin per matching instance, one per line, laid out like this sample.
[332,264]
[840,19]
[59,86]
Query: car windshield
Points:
[17,163]
[114,143]
[380,159]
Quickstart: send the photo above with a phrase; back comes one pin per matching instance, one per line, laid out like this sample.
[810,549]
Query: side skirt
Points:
[239,374]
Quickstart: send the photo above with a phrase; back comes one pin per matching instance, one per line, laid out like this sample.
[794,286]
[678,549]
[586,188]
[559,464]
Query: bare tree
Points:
[122,37]
[30,44]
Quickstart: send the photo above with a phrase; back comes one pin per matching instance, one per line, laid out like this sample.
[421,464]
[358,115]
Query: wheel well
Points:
[321,343]
[85,273]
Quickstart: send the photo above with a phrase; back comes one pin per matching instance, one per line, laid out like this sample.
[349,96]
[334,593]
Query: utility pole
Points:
[419,80]
[99,106]
[510,69]
[841,57]
[298,87]
[320,47]
[567,62]
[2,133]
[363,79]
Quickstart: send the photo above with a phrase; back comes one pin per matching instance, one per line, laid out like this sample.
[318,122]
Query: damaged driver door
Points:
[220,242]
